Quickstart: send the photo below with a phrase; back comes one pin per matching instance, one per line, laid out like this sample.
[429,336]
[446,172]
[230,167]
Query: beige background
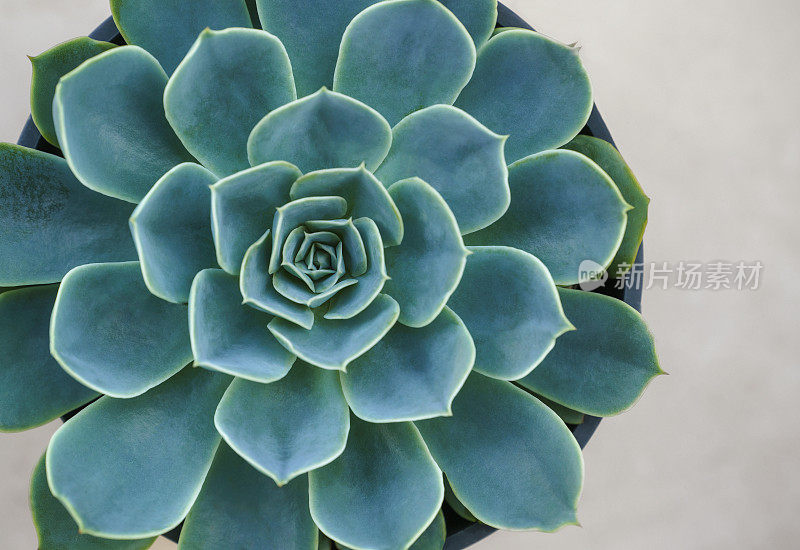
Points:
[702,98]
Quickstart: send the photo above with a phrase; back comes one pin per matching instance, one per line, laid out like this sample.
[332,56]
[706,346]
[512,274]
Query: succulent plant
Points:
[302,270]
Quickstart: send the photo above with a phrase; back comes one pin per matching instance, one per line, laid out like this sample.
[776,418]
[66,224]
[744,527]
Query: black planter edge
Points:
[463,534]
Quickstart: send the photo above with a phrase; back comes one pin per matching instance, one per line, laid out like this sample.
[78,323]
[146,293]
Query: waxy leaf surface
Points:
[242,208]
[333,343]
[48,68]
[172,231]
[508,458]
[110,122]
[168,28]
[400,56]
[603,367]
[288,427]
[34,389]
[608,158]
[111,334]
[56,529]
[580,214]
[239,507]
[530,87]
[249,68]
[231,337]
[132,468]
[426,267]
[255,283]
[365,196]
[382,492]
[458,157]
[50,223]
[412,373]
[323,130]
[311,32]
[510,305]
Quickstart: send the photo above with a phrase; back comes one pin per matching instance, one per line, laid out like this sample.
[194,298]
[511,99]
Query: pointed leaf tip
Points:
[501,437]
[619,363]
[528,319]
[404,55]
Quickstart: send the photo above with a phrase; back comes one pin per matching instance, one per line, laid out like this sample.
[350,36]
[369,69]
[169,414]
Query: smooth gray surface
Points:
[702,98]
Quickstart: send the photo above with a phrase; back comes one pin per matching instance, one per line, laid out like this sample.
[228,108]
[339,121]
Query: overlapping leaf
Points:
[251,70]
[581,214]
[109,332]
[530,87]
[603,367]
[34,389]
[400,56]
[110,123]
[168,28]
[51,223]
[134,442]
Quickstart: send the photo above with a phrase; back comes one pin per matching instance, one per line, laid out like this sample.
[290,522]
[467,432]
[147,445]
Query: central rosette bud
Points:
[323,256]
[316,252]
[318,259]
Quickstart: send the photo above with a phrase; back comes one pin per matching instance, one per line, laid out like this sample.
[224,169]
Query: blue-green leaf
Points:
[530,87]
[508,458]
[479,17]
[400,56]
[382,492]
[426,267]
[333,343]
[239,507]
[580,214]
[290,287]
[352,300]
[603,367]
[111,334]
[242,208]
[291,215]
[458,157]
[456,504]
[431,539]
[109,117]
[131,468]
[48,68]
[293,289]
[168,28]
[365,196]
[311,32]
[412,373]
[172,231]
[255,284]
[288,427]
[569,416]
[230,337]
[50,223]
[34,389]
[248,68]
[510,305]
[353,252]
[323,130]
[608,158]
[55,528]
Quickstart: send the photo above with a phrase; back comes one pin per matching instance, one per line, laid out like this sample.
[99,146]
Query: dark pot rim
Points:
[460,532]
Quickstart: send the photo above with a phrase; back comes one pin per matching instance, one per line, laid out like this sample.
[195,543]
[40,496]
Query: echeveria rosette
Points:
[319,218]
